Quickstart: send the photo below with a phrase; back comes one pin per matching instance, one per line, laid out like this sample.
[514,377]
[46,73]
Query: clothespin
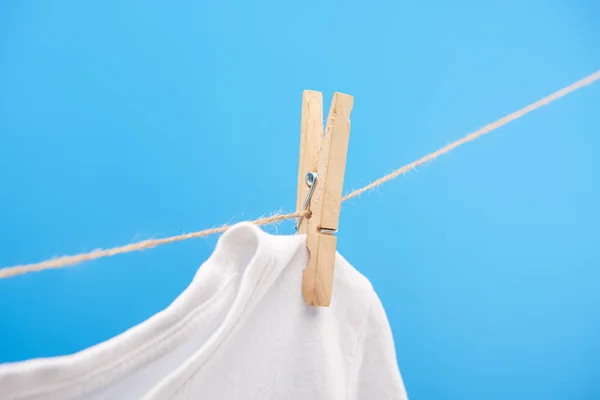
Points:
[320,181]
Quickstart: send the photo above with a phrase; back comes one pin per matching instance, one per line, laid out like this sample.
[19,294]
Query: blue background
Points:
[121,121]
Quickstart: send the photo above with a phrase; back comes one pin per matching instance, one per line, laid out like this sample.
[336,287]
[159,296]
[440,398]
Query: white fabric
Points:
[241,330]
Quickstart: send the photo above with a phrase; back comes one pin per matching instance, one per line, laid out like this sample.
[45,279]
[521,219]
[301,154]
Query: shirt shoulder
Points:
[375,372]
[352,291]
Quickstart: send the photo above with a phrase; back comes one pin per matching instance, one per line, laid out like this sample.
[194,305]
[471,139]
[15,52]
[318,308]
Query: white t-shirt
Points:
[241,330]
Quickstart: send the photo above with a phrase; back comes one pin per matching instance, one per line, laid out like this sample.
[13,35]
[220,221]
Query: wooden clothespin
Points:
[320,181]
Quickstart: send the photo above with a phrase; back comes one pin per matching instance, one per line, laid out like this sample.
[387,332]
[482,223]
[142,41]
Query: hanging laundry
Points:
[241,330]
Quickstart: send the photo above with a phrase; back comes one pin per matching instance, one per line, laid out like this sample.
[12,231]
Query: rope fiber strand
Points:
[66,261]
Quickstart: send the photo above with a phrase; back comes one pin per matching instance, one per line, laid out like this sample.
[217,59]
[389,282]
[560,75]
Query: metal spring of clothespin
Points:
[311,181]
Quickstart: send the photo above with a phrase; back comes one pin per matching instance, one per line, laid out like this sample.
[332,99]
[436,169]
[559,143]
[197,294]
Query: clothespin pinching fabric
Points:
[321,170]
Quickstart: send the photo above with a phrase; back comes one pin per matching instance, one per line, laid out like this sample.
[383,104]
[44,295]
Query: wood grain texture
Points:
[311,136]
[326,202]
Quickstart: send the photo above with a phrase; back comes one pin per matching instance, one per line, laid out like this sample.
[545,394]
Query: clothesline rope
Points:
[65,261]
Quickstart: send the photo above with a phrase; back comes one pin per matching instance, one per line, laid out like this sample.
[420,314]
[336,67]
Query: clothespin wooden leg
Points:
[325,204]
[311,136]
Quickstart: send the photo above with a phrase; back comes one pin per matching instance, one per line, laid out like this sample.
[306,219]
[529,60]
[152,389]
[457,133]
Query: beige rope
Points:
[146,244]
[478,133]
[66,261]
